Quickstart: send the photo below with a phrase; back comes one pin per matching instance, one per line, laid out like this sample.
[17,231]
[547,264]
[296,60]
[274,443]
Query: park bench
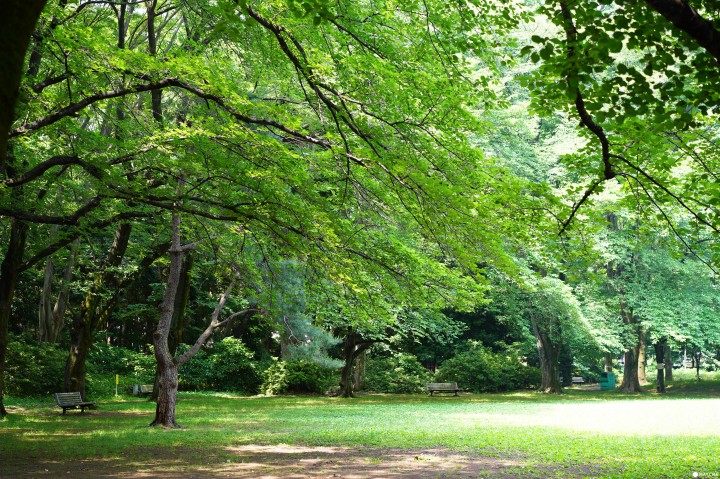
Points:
[72,401]
[578,380]
[142,389]
[442,388]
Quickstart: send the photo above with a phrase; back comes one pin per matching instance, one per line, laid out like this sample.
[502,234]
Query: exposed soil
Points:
[292,462]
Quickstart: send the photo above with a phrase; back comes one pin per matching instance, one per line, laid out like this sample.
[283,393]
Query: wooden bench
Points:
[431,388]
[578,380]
[72,401]
[142,389]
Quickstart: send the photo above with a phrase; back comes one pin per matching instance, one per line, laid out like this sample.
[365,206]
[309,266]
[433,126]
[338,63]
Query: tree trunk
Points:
[45,309]
[353,347]
[608,363]
[642,361]
[359,373]
[16,27]
[668,363]
[52,318]
[178,319]
[346,383]
[86,323]
[168,365]
[9,274]
[548,365]
[630,382]
[167,386]
[660,360]
[549,353]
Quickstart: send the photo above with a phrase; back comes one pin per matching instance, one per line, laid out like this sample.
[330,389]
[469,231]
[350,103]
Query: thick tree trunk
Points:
[85,324]
[668,363]
[9,274]
[359,373]
[16,27]
[346,376]
[353,347]
[17,23]
[548,365]
[549,353]
[660,360]
[630,382]
[686,18]
[642,361]
[167,392]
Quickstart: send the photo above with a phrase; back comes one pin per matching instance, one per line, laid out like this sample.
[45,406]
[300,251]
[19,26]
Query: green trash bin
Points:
[607,381]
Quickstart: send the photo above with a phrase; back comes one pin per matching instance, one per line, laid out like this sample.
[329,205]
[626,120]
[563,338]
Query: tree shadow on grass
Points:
[295,462]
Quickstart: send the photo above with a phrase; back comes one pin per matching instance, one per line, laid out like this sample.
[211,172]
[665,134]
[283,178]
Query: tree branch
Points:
[70,220]
[687,19]
[49,250]
[38,170]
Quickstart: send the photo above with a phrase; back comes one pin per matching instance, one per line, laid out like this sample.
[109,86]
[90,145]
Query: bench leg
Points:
[64,410]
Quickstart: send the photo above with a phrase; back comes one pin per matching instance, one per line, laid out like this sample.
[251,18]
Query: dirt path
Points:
[291,462]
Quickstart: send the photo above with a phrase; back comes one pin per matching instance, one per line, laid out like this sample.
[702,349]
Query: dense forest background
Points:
[313,196]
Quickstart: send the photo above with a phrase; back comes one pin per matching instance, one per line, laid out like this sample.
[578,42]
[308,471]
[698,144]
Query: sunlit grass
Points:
[647,435]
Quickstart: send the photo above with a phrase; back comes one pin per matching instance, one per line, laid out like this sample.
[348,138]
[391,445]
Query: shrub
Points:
[227,366]
[284,377]
[105,361]
[233,368]
[481,370]
[33,368]
[401,373]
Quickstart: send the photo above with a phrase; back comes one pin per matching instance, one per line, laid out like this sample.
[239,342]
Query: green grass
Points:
[641,436]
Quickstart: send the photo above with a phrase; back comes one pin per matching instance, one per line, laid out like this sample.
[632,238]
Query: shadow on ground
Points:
[294,462]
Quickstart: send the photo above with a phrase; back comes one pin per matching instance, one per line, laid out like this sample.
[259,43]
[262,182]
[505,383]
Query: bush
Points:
[401,373]
[481,370]
[32,368]
[105,361]
[227,366]
[234,368]
[285,377]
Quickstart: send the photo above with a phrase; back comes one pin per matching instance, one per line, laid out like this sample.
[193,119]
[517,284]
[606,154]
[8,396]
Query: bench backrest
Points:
[146,388]
[68,398]
[441,385]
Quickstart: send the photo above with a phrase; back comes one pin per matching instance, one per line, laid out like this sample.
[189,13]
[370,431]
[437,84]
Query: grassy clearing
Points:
[629,436]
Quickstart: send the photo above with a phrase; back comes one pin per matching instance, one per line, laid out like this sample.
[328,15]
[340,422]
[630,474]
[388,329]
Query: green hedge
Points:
[289,377]
[227,366]
[401,373]
[481,370]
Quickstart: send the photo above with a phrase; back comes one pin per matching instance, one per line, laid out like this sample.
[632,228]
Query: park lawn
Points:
[607,434]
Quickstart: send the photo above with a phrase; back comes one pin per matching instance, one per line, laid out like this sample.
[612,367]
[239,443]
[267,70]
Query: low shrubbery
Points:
[35,369]
[227,366]
[400,373]
[32,368]
[302,377]
[481,370]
